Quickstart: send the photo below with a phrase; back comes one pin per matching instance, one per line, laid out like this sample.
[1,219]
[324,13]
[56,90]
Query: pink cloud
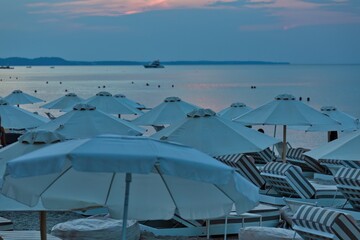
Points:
[285,14]
[115,7]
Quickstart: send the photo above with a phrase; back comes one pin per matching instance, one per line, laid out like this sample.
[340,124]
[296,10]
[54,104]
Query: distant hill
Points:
[56,61]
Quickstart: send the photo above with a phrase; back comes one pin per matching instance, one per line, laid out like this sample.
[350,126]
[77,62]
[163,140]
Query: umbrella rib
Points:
[225,193]
[55,180]
[108,192]
[167,187]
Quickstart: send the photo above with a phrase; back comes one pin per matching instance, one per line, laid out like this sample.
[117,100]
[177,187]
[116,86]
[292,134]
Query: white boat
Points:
[154,64]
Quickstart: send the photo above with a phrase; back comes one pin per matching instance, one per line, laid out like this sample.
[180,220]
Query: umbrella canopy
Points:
[28,142]
[105,102]
[347,122]
[235,110]
[170,111]
[67,101]
[122,98]
[17,118]
[202,129]
[344,148]
[287,111]
[155,183]
[86,121]
[18,97]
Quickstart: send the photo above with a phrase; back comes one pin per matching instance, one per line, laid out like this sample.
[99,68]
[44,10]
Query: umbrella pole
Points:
[284,144]
[126,205]
[42,218]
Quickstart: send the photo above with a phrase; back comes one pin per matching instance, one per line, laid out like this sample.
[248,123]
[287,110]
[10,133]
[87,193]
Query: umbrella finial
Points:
[201,113]
[83,107]
[285,97]
[104,94]
[238,104]
[172,99]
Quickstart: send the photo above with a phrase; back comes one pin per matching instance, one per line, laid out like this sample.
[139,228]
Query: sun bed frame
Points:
[319,223]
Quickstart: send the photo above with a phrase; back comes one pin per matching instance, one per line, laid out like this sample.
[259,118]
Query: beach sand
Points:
[30,221]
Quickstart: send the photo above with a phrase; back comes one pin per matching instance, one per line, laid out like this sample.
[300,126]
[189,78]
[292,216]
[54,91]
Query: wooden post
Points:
[284,144]
[42,218]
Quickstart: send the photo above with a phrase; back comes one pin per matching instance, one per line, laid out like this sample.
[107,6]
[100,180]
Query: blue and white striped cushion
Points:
[245,166]
[288,180]
[320,223]
[348,182]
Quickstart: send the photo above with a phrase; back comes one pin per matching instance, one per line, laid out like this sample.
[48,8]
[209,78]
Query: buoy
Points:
[172,85]
[308,99]
[300,98]
[35,91]
[60,82]
[47,82]
[132,82]
[65,90]
[158,86]
[147,84]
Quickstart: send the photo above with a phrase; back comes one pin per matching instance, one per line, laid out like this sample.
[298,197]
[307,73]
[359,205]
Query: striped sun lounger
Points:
[348,182]
[332,165]
[320,223]
[352,164]
[296,157]
[245,166]
[264,156]
[289,181]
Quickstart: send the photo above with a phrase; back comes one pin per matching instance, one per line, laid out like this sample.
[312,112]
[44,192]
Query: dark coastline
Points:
[55,61]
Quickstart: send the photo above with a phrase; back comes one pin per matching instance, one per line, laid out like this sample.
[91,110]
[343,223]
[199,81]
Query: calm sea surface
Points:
[214,87]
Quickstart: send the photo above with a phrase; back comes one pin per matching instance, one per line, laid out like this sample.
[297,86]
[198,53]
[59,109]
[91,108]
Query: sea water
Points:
[209,86]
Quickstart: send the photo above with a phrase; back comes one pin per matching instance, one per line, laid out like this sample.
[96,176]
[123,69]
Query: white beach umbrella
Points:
[347,122]
[122,98]
[235,110]
[18,97]
[345,148]
[202,129]
[67,101]
[17,118]
[170,111]
[105,102]
[28,142]
[134,177]
[86,121]
[285,110]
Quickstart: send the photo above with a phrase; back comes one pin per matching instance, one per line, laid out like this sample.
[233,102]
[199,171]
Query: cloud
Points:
[280,14]
[114,7]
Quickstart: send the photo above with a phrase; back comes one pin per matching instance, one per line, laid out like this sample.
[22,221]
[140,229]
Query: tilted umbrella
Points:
[285,110]
[122,98]
[18,97]
[345,148]
[235,110]
[105,102]
[28,142]
[17,118]
[170,111]
[64,102]
[86,121]
[165,178]
[202,129]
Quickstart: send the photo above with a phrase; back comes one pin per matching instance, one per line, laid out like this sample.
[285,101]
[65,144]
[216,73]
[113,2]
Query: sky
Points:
[295,31]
